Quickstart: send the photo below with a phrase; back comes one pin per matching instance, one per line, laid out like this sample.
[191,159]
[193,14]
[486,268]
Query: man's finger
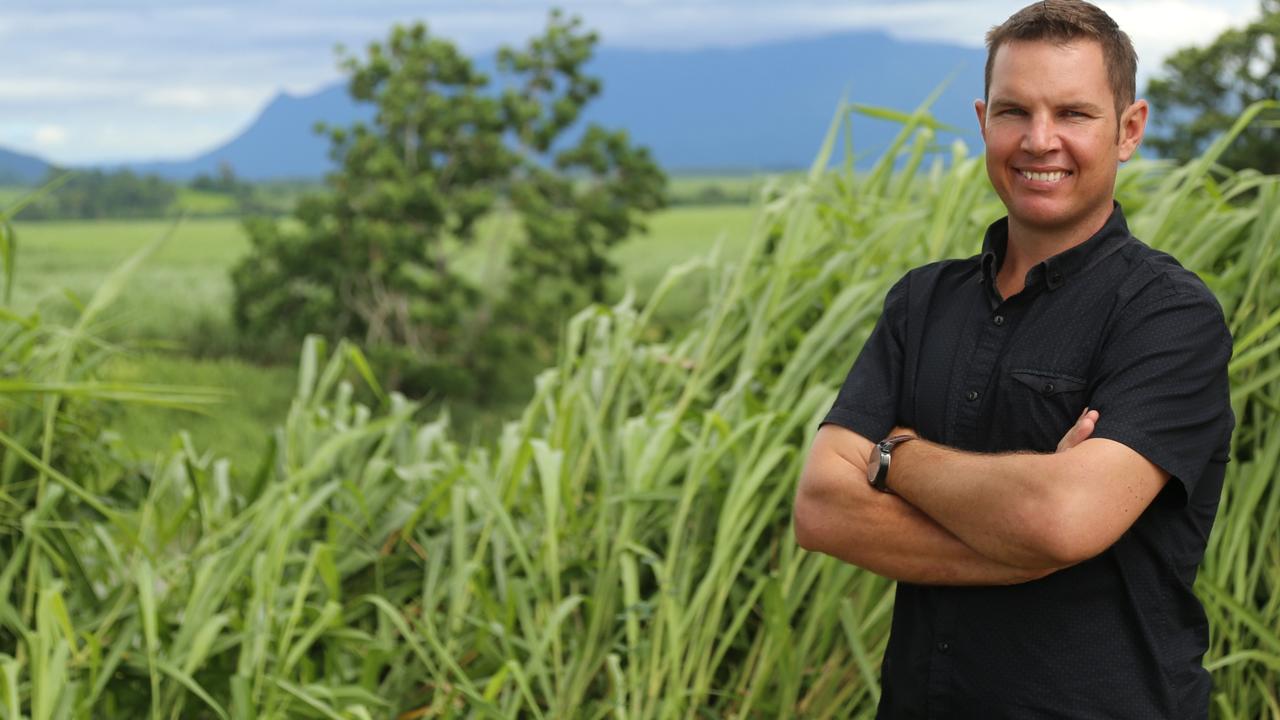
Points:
[1079,432]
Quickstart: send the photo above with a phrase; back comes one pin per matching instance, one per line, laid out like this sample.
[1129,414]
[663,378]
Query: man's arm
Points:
[1029,510]
[838,513]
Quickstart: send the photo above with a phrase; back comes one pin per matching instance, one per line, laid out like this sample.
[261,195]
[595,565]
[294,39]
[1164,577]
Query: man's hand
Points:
[1075,435]
[1079,432]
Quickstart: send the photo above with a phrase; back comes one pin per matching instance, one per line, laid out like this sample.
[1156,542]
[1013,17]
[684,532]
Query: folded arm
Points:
[838,513]
[1026,509]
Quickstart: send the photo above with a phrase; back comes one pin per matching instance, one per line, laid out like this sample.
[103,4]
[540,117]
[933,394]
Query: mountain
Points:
[769,106]
[761,107]
[19,169]
[280,143]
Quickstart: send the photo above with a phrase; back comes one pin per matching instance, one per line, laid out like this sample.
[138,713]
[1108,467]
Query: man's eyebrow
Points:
[1085,107]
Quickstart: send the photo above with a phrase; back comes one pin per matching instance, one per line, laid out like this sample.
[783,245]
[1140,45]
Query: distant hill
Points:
[19,169]
[768,106]
[762,107]
[281,143]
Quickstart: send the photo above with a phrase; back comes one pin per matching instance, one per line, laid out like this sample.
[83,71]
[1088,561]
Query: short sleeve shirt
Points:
[1110,324]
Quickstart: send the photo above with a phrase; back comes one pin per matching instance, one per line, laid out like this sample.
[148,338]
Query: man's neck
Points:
[1030,246]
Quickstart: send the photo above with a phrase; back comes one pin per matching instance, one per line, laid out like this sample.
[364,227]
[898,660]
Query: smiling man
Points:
[1032,442]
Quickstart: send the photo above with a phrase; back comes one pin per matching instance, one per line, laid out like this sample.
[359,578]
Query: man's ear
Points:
[1133,125]
[980,107]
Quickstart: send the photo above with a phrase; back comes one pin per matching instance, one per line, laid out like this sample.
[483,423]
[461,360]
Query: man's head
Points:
[1062,21]
[1055,126]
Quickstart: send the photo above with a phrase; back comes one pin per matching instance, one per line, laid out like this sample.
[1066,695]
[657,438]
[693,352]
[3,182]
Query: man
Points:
[1064,402]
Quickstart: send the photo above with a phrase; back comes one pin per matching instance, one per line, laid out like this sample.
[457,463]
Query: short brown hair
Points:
[1066,20]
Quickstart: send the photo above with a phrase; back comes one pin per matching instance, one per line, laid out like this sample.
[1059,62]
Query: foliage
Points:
[707,190]
[179,298]
[225,183]
[1204,89]
[624,547]
[99,194]
[370,259]
[177,308]
[54,411]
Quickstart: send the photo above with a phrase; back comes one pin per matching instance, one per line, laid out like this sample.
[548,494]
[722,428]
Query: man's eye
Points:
[1013,111]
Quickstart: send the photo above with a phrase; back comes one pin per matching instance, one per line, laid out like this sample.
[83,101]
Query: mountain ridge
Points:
[733,109]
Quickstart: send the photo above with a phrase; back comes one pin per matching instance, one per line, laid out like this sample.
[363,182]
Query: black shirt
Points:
[1109,324]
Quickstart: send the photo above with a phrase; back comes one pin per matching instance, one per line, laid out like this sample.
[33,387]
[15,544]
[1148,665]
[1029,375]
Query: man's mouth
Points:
[1053,176]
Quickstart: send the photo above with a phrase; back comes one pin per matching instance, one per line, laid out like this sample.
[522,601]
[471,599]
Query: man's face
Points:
[1051,134]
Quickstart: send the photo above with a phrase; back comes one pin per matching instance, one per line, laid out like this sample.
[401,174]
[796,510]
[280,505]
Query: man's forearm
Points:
[904,544]
[837,513]
[996,504]
[1031,510]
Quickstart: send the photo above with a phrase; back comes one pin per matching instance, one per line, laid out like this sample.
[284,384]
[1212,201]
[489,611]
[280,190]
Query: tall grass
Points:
[623,548]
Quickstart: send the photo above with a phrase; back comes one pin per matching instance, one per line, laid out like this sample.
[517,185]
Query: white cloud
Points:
[46,88]
[50,136]
[135,139]
[174,78]
[191,97]
[1159,28]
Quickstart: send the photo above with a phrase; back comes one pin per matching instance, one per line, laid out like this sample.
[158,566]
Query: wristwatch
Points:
[878,463]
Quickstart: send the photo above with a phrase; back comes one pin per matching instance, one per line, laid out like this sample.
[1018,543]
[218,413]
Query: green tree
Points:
[1203,90]
[90,194]
[575,202]
[370,257]
[225,182]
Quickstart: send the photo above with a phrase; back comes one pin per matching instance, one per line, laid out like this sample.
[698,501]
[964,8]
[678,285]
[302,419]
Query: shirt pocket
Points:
[1041,405]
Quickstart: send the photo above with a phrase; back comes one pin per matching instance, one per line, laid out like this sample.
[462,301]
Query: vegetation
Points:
[623,547]
[180,299]
[243,195]
[174,314]
[98,194]
[708,190]
[371,259]
[1203,91]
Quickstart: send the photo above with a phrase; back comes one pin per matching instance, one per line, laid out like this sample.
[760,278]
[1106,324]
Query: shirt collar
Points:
[1055,271]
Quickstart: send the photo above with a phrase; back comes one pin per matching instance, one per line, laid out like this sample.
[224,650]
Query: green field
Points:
[622,547]
[183,287]
[174,317]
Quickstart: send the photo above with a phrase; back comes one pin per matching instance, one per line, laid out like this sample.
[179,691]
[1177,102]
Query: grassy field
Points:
[623,548]
[182,287]
[175,315]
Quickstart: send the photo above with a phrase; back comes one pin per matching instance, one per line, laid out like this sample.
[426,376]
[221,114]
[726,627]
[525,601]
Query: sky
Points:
[120,80]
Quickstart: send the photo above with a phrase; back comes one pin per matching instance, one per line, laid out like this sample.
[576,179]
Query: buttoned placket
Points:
[994,331]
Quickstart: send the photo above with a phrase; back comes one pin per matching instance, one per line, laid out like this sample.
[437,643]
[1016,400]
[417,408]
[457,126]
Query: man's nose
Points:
[1041,135]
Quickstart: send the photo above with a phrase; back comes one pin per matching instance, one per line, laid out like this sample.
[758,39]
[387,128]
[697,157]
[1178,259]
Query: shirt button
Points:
[998,320]
[971,395]
[944,647]
[1048,388]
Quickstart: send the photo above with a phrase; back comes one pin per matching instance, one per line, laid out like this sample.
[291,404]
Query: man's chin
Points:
[1055,221]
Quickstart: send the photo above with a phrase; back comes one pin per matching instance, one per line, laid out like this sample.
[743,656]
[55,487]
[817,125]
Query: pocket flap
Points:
[1048,383]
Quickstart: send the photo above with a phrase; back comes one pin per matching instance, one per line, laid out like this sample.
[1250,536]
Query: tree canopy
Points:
[91,194]
[1202,90]
[373,257]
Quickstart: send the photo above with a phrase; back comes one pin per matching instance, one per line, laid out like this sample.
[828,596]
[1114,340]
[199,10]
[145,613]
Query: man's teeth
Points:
[1044,176]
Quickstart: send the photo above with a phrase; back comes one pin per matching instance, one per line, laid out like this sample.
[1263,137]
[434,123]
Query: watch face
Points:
[877,465]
